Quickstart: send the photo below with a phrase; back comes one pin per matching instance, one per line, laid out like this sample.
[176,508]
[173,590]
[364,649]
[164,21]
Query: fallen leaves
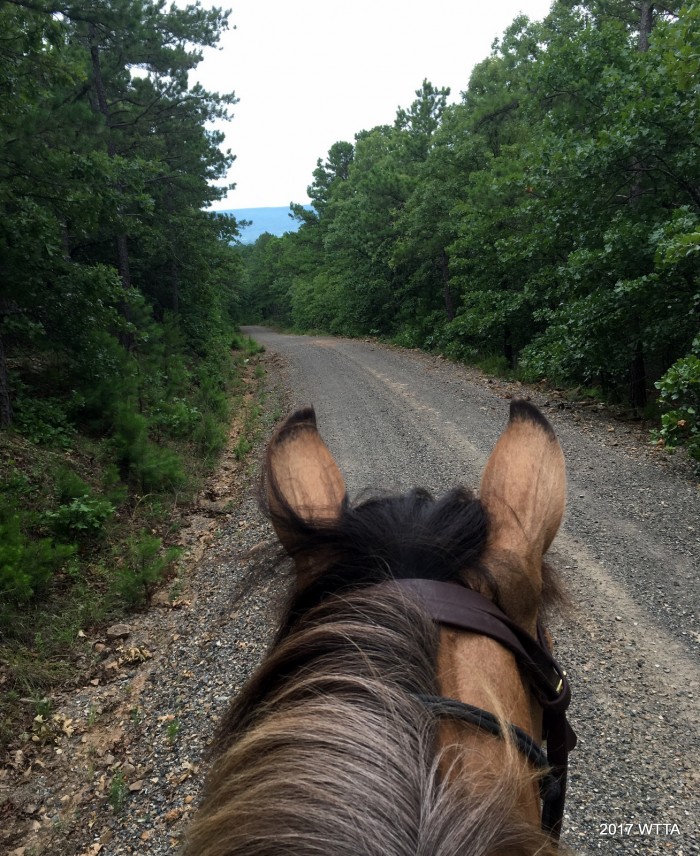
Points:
[132,656]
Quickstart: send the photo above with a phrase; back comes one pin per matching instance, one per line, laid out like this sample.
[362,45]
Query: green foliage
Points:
[118,792]
[209,436]
[69,485]
[114,490]
[249,346]
[119,293]
[172,732]
[83,517]
[145,565]
[142,463]
[549,222]
[79,514]
[242,447]
[43,421]
[27,564]
[679,395]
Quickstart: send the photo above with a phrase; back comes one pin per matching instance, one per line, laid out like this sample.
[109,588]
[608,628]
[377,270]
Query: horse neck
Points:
[479,671]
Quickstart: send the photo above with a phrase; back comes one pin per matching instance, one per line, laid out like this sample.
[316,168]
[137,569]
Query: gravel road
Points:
[394,419]
[628,554]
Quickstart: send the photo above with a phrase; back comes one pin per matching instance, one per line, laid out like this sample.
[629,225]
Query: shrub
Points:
[148,466]
[69,485]
[84,517]
[210,436]
[79,514]
[680,397]
[114,489]
[43,421]
[176,418]
[27,564]
[144,568]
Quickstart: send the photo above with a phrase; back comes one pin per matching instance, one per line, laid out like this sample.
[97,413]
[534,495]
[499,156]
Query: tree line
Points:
[547,223]
[118,290]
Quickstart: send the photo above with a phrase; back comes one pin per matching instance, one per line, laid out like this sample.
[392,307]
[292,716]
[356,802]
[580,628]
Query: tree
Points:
[107,166]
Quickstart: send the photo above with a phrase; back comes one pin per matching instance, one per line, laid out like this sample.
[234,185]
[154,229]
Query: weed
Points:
[239,342]
[242,447]
[144,568]
[69,485]
[495,365]
[176,589]
[82,517]
[27,564]
[43,706]
[172,731]
[43,421]
[118,792]
[680,397]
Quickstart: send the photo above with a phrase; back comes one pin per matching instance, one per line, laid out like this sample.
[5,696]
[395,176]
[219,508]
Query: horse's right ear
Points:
[303,482]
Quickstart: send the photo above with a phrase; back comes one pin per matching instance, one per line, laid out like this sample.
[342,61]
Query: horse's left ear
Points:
[302,478]
[523,490]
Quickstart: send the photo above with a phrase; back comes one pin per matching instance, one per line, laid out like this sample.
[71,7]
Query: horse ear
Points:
[303,484]
[523,490]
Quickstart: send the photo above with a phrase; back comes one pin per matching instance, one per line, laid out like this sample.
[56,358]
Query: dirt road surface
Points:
[394,419]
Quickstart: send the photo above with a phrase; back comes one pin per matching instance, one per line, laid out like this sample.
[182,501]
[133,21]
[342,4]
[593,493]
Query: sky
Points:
[311,72]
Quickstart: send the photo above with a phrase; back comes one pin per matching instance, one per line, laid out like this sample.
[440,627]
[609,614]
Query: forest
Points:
[547,224]
[119,298]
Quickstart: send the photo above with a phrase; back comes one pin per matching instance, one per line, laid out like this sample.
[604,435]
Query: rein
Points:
[461,607]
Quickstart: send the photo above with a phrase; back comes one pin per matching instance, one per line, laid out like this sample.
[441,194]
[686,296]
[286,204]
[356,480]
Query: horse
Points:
[403,704]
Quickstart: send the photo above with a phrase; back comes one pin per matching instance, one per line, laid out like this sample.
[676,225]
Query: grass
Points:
[44,643]
[172,731]
[118,792]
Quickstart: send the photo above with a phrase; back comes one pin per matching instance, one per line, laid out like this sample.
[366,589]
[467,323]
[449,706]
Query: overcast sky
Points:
[311,72]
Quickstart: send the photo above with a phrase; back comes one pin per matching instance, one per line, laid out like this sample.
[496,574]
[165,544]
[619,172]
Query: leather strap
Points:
[458,606]
[461,607]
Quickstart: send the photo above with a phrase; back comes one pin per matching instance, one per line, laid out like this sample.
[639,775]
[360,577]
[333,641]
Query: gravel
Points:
[125,776]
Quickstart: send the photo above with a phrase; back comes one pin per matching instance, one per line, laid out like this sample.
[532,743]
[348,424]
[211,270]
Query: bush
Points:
[69,485]
[140,461]
[210,436]
[43,421]
[680,397]
[144,568]
[176,418]
[84,517]
[27,564]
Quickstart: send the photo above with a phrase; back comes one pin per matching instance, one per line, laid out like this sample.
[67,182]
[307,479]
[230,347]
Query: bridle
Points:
[461,607]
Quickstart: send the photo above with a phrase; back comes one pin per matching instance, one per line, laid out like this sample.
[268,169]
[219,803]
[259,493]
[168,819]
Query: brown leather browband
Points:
[457,606]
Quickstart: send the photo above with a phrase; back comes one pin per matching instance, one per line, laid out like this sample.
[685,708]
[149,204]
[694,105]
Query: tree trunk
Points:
[5,402]
[175,285]
[638,379]
[446,290]
[646,22]
[121,239]
[637,369]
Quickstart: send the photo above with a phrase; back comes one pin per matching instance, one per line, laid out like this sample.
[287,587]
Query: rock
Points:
[118,631]
[162,599]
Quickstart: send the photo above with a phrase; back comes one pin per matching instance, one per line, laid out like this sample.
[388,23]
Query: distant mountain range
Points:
[276,221]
